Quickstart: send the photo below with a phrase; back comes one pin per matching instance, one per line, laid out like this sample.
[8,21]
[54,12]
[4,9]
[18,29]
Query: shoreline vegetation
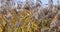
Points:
[29,17]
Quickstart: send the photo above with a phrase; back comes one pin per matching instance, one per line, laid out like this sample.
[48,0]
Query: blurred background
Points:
[29,15]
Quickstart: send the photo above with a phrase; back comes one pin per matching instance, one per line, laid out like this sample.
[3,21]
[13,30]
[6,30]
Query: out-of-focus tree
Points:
[38,3]
[58,3]
[50,4]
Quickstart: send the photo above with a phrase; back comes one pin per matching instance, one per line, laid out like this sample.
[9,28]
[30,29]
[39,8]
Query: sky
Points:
[46,2]
[43,1]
